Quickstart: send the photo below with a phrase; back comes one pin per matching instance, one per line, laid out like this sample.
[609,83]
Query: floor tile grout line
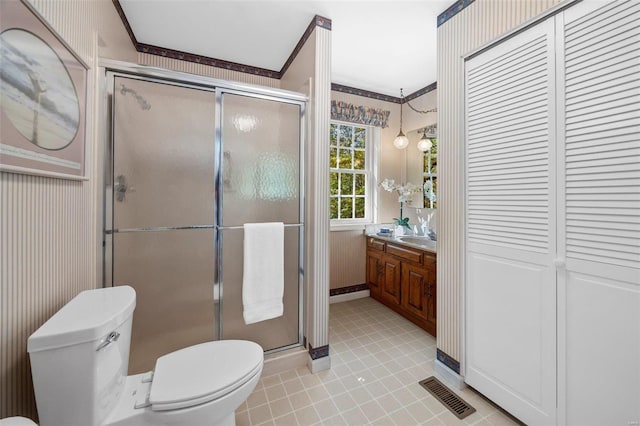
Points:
[379,350]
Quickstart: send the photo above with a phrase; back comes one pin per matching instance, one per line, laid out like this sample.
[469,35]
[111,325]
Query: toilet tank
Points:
[80,356]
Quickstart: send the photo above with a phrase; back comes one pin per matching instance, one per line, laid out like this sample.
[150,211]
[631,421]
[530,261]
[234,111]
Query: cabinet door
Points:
[391,285]
[419,294]
[374,272]
[415,290]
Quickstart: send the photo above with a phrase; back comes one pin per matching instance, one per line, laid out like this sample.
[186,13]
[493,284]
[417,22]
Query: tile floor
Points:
[377,359]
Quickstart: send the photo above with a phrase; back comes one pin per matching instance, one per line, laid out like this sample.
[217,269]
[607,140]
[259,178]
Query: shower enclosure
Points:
[189,160]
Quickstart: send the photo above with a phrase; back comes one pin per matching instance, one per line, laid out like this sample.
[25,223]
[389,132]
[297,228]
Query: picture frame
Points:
[43,97]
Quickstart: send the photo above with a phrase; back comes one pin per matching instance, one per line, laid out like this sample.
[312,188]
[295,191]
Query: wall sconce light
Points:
[401,141]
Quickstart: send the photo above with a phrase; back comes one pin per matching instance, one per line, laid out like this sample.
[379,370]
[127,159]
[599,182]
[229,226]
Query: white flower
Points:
[405,192]
[428,190]
[388,184]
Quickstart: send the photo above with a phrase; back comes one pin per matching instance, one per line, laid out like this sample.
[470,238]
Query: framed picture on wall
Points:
[43,97]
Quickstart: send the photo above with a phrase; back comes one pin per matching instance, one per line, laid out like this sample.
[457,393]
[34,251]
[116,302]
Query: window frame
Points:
[427,175]
[372,143]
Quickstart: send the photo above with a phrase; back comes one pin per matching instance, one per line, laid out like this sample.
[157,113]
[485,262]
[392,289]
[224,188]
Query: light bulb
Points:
[424,144]
[401,141]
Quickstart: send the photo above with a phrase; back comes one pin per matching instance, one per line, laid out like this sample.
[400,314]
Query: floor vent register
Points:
[453,402]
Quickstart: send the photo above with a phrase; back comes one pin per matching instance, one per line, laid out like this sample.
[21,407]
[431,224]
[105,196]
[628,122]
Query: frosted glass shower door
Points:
[161,193]
[260,182]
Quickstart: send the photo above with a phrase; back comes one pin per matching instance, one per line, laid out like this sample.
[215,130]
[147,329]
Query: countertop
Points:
[425,243]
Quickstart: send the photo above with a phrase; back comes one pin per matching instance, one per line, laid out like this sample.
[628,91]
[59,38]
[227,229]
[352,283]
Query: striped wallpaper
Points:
[48,227]
[476,25]
[347,258]
[48,256]
[205,70]
[318,191]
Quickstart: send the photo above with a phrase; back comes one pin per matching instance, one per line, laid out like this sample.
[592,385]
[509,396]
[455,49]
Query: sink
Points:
[421,241]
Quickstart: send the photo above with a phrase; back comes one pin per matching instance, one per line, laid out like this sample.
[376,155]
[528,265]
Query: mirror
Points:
[422,167]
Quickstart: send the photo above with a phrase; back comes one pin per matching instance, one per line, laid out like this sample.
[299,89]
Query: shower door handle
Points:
[121,188]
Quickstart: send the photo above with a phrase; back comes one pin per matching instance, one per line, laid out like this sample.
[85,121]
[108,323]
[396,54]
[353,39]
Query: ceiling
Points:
[378,46]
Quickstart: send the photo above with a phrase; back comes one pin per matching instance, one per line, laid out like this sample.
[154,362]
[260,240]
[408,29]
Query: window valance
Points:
[359,114]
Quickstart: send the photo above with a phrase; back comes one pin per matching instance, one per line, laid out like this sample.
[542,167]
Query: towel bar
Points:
[286,225]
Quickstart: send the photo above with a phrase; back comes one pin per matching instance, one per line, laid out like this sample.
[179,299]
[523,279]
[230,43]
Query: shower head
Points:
[141,101]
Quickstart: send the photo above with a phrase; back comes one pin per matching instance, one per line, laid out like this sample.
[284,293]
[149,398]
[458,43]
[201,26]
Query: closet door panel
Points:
[510,232]
[599,233]
[603,348]
[512,328]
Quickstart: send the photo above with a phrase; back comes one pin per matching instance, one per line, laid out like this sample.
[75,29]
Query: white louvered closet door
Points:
[510,286]
[599,232]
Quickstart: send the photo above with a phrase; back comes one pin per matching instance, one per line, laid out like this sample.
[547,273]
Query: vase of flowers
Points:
[405,195]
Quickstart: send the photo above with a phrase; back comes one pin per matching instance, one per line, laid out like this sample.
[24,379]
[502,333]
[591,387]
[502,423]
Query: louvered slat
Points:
[508,141]
[602,144]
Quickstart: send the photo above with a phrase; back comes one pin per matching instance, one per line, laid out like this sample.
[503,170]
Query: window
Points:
[350,160]
[431,176]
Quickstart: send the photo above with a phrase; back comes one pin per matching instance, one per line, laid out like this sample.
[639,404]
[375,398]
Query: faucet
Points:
[424,224]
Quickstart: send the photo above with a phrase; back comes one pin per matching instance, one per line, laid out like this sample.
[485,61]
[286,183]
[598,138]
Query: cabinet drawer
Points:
[405,253]
[429,259]
[375,244]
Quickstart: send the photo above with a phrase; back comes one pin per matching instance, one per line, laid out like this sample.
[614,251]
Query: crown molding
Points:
[420,92]
[317,21]
[205,60]
[453,10]
[364,93]
[379,96]
[125,22]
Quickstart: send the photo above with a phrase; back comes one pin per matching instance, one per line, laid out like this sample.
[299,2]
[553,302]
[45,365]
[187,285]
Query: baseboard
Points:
[318,364]
[448,376]
[349,296]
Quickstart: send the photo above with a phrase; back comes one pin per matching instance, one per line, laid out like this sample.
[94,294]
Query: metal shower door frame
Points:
[218,206]
[109,70]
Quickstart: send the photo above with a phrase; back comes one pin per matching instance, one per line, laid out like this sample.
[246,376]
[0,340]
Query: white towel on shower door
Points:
[263,271]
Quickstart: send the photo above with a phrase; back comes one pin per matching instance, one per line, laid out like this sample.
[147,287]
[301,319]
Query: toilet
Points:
[79,361]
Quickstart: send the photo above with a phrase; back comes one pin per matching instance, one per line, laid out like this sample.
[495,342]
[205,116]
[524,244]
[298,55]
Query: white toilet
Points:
[79,361]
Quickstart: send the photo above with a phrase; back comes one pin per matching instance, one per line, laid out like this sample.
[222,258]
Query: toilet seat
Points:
[202,373]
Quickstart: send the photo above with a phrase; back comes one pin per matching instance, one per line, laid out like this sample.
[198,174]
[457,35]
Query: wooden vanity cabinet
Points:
[374,272]
[404,279]
[391,284]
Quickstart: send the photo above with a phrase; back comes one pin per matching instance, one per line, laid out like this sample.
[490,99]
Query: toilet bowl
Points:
[79,363]
[16,421]
[198,385]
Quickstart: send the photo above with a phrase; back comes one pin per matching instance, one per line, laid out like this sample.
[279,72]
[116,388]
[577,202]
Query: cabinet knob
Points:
[560,262]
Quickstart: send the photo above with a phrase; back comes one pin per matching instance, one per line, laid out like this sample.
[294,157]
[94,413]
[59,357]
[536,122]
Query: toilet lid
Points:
[202,373]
